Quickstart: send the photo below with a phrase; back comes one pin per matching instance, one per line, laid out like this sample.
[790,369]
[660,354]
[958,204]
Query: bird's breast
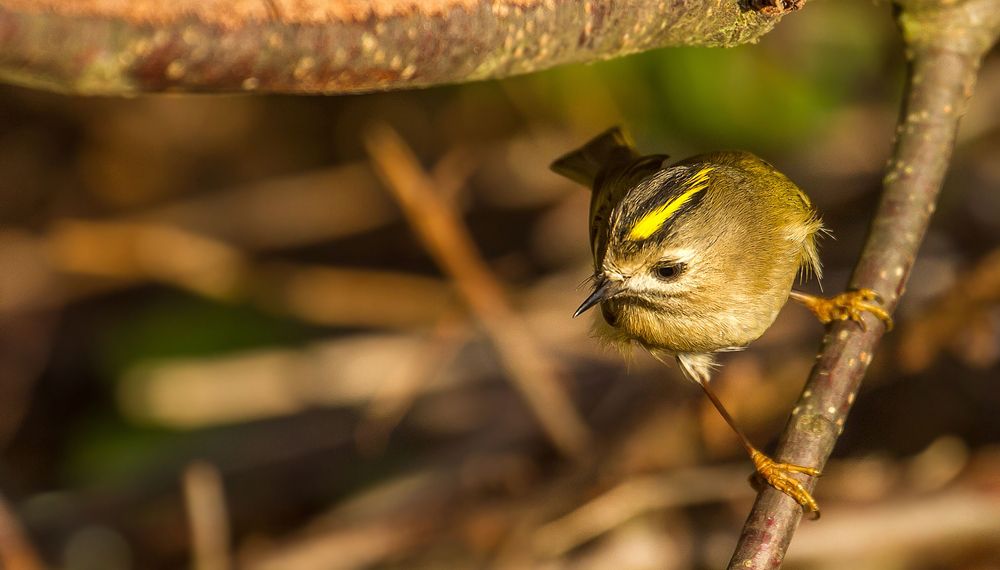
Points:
[688,329]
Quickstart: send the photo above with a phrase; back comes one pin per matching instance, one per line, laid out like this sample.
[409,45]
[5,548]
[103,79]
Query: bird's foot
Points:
[848,305]
[779,476]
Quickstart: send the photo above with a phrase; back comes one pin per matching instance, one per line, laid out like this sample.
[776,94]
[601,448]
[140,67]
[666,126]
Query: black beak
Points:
[603,290]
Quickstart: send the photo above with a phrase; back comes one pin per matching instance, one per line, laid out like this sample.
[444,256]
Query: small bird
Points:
[696,258]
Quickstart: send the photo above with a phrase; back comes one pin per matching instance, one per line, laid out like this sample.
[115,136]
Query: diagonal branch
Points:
[343,46]
[440,228]
[945,42]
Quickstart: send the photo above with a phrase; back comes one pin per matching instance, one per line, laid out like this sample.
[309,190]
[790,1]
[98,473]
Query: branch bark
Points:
[343,46]
[945,42]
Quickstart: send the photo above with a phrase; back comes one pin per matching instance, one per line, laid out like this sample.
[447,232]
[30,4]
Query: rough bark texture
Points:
[342,46]
[945,41]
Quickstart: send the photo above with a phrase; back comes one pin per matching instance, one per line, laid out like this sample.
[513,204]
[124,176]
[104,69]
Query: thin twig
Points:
[447,239]
[945,42]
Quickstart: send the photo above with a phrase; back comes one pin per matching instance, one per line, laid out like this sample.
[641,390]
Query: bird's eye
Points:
[667,271]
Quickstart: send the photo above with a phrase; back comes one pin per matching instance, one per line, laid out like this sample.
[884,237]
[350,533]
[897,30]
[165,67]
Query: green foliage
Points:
[176,325]
[106,450]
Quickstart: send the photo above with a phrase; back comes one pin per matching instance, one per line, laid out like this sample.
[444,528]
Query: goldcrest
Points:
[695,257]
[698,257]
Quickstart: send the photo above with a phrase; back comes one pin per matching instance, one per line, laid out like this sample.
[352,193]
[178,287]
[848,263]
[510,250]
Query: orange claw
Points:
[848,305]
[779,476]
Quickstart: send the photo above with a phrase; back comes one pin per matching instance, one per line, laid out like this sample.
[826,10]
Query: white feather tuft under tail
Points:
[696,366]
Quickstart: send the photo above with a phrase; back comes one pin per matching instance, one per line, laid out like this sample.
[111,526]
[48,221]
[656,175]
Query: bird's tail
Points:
[608,149]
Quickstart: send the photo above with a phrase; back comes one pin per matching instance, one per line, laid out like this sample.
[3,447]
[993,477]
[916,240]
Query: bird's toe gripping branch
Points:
[848,305]
[779,476]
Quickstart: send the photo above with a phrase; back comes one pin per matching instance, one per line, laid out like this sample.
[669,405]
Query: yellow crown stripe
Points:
[648,224]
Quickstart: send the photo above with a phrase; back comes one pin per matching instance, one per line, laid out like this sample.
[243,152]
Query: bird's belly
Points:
[696,332]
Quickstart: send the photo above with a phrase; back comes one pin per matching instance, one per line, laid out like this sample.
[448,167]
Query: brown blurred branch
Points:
[945,42]
[956,317]
[342,46]
[445,236]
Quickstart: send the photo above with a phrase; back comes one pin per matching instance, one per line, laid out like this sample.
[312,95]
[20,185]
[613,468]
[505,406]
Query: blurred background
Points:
[230,336]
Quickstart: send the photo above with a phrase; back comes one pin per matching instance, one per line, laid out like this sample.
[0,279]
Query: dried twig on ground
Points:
[945,43]
[447,239]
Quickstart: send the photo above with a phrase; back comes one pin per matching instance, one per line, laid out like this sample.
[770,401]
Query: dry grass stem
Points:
[205,498]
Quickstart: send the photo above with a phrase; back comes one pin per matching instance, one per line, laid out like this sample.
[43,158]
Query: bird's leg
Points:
[777,475]
[848,305]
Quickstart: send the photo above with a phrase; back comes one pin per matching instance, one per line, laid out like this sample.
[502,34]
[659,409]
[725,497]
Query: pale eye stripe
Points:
[648,224]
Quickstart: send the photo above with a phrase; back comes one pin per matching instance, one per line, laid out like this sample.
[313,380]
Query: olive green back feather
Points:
[607,150]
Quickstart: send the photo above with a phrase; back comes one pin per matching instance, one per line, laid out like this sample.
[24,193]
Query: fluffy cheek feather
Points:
[611,337]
